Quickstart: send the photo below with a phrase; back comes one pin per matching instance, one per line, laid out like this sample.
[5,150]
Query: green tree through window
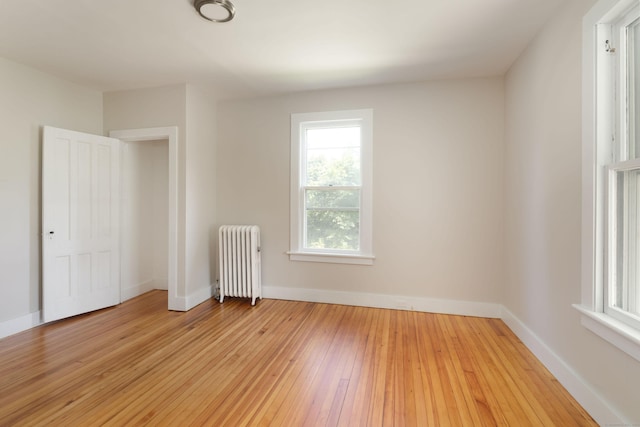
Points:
[332,193]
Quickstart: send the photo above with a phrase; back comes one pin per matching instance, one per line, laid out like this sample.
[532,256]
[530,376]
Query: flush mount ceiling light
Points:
[215,10]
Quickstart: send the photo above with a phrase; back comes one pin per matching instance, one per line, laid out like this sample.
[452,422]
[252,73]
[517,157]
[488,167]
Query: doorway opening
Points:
[144,220]
[149,232]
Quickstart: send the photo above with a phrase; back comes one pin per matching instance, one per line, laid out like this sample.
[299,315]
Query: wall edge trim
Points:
[395,302]
[586,395]
[20,324]
[198,297]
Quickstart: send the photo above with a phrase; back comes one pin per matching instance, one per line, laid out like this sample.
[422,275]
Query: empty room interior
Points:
[473,263]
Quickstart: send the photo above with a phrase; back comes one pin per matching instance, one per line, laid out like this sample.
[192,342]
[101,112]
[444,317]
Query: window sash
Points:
[632,83]
[354,208]
[622,291]
[624,87]
[304,177]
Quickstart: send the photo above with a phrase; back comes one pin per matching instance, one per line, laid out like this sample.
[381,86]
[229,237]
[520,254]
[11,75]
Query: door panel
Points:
[80,223]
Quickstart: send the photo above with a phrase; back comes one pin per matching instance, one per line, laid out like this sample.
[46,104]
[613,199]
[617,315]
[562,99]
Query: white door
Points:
[80,223]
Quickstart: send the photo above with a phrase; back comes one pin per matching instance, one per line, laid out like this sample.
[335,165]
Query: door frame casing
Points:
[171,135]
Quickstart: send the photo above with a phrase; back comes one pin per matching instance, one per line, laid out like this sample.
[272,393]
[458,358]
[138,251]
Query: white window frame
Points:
[600,128]
[300,122]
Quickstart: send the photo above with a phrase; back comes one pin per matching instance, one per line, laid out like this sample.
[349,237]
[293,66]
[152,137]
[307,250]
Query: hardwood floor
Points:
[279,363]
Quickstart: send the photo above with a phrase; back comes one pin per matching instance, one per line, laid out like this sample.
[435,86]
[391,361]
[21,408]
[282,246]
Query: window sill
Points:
[615,332]
[331,258]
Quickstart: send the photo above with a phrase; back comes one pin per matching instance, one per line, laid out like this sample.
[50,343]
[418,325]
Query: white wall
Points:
[145,224]
[438,189]
[192,110]
[160,213]
[148,108]
[30,99]
[200,194]
[543,212]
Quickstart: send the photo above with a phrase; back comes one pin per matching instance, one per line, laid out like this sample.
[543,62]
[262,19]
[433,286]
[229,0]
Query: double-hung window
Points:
[611,174]
[622,296]
[331,170]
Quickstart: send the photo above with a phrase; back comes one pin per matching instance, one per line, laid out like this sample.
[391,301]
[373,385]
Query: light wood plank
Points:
[278,363]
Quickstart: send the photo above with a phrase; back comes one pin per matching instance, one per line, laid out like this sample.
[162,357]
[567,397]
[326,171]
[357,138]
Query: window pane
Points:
[333,156]
[633,60]
[625,295]
[332,199]
[333,229]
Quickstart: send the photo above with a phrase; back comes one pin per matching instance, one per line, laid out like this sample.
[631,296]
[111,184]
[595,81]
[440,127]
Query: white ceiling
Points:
[271,46]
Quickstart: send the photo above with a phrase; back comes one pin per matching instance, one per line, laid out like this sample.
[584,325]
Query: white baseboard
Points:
[144,287]
[177,303]
[14,326]
[198,297]
[430,305]
[161,284]
[136,290]
[589,398]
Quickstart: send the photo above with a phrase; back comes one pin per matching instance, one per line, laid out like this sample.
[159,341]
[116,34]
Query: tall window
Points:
[622,296]
[331,186]
[611,173]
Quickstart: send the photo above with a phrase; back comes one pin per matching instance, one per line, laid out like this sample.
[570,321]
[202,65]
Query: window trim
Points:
[297,251]
[598,126]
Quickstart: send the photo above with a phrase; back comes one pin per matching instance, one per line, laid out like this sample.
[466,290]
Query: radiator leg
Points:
[221,298]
